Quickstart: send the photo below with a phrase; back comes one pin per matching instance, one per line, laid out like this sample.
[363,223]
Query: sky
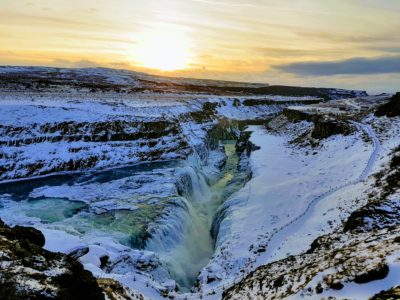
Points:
[332,43]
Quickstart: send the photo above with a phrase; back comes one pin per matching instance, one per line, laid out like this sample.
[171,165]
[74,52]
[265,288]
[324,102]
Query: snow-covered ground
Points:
[45,133]
[295,196]
[353,290]
[296,193]
[284,182]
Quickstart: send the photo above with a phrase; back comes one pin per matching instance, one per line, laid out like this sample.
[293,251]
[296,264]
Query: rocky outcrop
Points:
[255,102]
[115,291]
[324,126]
[244,145]
[207,114]
[380,272]
[30,272]
[295,115]
[377,214]
[390,109]
[391,294]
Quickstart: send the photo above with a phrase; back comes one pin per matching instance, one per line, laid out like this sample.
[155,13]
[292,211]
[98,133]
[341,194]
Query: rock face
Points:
[71,145]
[323,126]
[295,115]
[30,272]
[390,109]
[69,131]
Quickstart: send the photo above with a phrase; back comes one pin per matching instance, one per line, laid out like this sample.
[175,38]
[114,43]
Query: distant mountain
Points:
[107,80]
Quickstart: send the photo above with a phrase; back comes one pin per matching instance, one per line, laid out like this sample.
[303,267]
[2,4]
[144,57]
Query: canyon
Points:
[197,189]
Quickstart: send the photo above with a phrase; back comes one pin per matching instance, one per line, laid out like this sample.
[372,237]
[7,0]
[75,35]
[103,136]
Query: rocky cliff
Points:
[324,126]
[30,272]
[40,149]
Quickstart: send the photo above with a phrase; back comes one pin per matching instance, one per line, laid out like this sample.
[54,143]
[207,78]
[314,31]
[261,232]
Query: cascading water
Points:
[192,252]
[196,247]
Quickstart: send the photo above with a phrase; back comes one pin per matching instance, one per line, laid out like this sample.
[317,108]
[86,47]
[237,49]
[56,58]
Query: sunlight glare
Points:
[164,48]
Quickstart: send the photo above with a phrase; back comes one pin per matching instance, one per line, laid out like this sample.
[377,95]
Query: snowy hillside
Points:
[194,189]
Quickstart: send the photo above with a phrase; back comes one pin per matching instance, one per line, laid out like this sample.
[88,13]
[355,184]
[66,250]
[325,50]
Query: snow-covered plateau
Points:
[195,189]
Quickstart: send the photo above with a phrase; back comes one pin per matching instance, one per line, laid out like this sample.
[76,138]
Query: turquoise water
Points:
[197,248]
[192,250]
[50,210]
[129,226]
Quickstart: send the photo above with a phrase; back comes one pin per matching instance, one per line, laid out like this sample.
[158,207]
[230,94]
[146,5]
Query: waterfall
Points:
[168,231]
[184,236]
[193,183]
[189,256]
[181,237]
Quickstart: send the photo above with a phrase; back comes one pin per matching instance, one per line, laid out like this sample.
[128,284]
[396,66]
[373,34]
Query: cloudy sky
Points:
[341,43]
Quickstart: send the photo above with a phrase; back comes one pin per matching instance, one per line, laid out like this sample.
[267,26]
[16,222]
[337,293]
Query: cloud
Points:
[387,37]
[378,65]
[387,49]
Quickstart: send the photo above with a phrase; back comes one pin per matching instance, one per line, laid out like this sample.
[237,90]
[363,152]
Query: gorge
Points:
[192,191]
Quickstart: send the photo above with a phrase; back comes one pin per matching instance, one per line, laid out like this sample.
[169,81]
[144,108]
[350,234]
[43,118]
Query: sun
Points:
[164,48]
